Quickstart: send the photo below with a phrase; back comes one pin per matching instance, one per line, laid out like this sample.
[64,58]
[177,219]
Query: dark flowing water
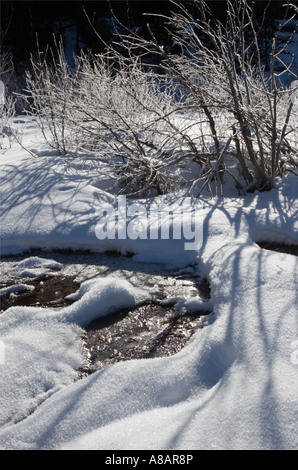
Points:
[151,330]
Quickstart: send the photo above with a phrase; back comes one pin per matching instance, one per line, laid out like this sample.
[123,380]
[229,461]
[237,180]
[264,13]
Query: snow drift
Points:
[234,386]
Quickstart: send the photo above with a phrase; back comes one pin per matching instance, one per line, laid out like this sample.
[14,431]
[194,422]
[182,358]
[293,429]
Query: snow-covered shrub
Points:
[221,69]
[108,108]
[132,118]
[7,102]
[48,95]
[119,116]
[208,113]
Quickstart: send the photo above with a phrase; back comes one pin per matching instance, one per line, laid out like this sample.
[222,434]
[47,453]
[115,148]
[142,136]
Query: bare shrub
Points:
[133,115]
[7,103]
[210,111]
[220,66]
[47,94]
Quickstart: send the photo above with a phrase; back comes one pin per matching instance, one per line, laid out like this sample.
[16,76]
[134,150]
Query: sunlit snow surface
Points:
[234,386]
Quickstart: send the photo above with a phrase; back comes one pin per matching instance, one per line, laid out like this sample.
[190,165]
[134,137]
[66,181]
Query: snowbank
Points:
[43,348]
[234,386]
[41,356]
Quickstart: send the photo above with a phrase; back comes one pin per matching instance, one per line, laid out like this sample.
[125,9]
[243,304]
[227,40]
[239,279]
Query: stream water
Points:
[151,330]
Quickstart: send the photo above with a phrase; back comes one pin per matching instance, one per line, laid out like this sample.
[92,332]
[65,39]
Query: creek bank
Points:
[154,329]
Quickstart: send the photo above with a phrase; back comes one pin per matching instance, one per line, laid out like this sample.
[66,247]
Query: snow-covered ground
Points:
[234,386]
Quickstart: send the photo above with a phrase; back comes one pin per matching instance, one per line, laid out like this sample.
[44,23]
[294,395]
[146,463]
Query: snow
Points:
[16,288]
[191,305]
[41,354]
[42,346]
[37,262]
[38,268]
[99,297]
[233,386]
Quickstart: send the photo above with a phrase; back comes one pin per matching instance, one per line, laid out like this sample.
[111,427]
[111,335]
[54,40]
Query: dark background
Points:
[23,21]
